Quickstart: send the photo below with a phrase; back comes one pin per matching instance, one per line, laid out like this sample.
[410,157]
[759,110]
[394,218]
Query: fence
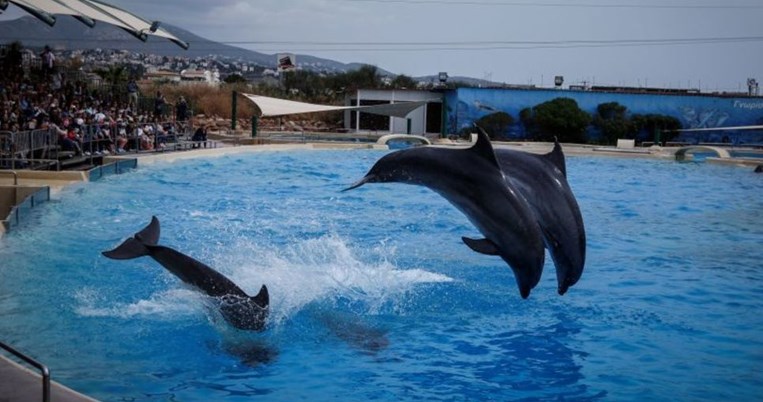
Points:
[33,149]
[42,149]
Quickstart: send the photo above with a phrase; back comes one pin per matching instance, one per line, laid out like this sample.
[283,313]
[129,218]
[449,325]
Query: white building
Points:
[426,119]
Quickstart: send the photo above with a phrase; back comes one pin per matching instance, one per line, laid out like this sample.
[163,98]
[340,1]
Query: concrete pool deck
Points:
[17,383]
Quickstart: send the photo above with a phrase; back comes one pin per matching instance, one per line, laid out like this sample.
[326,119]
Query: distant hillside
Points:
[69,33]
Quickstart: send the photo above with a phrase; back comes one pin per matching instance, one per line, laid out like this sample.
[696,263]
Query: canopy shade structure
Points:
[90,11]
[272,107]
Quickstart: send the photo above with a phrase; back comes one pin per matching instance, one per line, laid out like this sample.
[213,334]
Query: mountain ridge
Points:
[70,34]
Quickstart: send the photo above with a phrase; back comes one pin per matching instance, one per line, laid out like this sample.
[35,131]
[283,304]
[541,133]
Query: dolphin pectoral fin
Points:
[482,246]
[263,298]
[150,234]
[131,248]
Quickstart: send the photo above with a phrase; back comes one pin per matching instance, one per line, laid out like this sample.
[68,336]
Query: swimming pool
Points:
[374,296]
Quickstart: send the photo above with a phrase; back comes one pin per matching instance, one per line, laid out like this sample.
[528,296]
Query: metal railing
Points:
[27,149]
[15,176]
[33,149]
[43,369]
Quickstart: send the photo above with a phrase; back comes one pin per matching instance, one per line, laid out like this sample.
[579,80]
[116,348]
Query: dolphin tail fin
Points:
[263,298]
[150,234]
[135,247]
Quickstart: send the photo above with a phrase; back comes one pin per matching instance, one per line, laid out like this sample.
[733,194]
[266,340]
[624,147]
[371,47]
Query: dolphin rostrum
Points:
[472,180]
[542,181]
[238,308]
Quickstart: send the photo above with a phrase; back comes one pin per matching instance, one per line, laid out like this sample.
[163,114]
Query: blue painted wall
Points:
[467,105]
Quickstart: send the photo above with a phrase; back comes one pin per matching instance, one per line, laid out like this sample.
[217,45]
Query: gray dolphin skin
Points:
[472,180]
[542,181]
[519,201]
[239,309]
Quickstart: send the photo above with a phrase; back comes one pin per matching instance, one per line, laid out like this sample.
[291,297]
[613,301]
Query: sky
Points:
[713,45]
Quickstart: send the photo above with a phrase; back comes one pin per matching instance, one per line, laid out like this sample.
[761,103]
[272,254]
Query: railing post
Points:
[43,369]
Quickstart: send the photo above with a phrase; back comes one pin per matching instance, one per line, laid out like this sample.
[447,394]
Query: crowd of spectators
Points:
[86,120]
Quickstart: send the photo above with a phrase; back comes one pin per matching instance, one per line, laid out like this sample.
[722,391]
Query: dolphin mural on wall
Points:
[239,309]
[520,202]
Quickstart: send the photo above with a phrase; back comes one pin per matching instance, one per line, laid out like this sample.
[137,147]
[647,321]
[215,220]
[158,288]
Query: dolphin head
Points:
[394,167]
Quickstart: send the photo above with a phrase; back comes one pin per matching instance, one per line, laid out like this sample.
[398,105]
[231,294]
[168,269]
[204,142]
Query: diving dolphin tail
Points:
[238,308]
[135,247]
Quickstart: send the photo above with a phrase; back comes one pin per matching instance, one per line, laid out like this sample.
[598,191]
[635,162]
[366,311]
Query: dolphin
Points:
[759,169]
[239,309]
[472,180]
[542,180]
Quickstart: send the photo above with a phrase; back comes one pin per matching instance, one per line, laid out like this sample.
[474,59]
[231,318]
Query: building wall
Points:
[464,106]
[396,125]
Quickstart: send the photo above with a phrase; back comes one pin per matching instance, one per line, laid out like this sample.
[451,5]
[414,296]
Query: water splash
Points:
[318,269]
[302,272]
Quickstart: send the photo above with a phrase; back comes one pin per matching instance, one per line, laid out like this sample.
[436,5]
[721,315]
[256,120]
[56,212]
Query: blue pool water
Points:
[374,297]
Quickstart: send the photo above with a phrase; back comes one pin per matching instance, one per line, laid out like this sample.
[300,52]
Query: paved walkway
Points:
[18,384]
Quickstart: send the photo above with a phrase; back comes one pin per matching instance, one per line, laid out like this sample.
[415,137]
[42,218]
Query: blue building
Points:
[464,106]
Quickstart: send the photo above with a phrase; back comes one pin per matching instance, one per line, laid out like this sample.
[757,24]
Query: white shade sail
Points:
[89,11]
[272,107]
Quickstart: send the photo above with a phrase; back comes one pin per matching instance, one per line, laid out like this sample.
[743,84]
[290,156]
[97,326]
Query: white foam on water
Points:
[317,269]
[166,304]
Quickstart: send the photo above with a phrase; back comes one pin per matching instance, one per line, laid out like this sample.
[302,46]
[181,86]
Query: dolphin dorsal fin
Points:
[484,148]
[263,298]
[556,157]
[482,246]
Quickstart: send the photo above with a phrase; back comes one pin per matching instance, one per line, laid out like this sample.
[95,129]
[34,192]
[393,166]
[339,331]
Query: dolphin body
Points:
[239,309]
[520,202]
[542,180]
[472,180]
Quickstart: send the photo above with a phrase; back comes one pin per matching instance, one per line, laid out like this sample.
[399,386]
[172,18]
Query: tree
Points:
[560,118]
[403,81]
[234,78]
[495,124]
[11,59]
[115,75]
[612,120]
[305,83]
[647,125]
[366,77]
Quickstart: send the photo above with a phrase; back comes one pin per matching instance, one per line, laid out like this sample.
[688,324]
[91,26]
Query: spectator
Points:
[48,61]
[132,94]
[159,102]
[181,110]
[200,136]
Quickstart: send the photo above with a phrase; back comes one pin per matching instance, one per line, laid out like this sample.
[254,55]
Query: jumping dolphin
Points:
[542,181]
[238,308]
[472,180]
